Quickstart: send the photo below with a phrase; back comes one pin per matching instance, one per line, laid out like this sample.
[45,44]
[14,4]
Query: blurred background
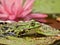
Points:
[50,7]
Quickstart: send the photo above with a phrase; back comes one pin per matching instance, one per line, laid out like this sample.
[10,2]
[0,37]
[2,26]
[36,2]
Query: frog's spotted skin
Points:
[48,30]
[27,28]
[18,28]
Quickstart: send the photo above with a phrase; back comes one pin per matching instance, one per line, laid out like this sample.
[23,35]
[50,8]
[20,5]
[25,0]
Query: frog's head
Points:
[28,24]
[33,24]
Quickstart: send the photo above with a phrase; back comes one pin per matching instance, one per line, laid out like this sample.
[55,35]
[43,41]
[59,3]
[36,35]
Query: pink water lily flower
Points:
[17,10]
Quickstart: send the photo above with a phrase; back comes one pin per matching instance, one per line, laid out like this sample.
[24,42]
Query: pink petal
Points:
[25,13]
[27,18]
[28,4]
[27,8]
[7,4]
[12,17]
[17,8]
[2,10]
[39,15]
[41,20]
[3,16]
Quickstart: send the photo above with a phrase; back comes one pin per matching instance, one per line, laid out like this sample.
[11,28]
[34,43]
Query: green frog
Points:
[27,28]
[15,30]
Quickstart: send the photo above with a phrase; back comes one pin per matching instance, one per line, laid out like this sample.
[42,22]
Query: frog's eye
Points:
[32,24]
